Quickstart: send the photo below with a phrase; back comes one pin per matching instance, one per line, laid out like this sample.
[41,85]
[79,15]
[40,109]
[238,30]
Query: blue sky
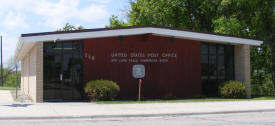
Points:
[30,16]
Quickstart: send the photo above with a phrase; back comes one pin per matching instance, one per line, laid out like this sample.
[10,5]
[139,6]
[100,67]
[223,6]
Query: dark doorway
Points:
[217,66]
[63,72]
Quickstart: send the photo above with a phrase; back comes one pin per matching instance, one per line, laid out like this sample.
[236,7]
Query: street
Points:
[240,119]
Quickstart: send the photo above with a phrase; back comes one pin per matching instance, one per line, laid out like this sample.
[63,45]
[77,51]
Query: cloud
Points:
[57,14]
[17,5]
[92,12]
[14,20]
[101,1]
[54,14]
[17,16]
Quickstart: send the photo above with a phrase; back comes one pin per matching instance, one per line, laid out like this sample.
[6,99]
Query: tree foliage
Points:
[187,14]
[114,22]
[69,27]
[9,73]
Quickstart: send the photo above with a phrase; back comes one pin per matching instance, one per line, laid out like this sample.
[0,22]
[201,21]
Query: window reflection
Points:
[217,66]
[63,58]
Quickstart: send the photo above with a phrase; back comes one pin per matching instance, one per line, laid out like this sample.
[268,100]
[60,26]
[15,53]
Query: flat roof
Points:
[26,41]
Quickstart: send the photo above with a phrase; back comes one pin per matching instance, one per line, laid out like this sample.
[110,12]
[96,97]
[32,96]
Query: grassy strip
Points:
[264,98]
[9,88]
[185,100]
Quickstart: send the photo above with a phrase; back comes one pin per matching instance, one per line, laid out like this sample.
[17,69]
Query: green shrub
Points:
[265,89]
[261,85]
[101,90]
[233,89]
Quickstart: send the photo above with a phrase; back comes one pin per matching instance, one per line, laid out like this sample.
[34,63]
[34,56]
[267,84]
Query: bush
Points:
[101,90]
[233,89]
[265,89]
[261,85]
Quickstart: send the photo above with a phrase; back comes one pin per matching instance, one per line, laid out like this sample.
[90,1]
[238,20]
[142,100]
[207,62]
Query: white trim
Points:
[137,31]
[26,41]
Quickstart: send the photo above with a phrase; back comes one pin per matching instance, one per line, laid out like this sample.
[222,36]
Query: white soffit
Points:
[28,41]
[137,31]
[22,49]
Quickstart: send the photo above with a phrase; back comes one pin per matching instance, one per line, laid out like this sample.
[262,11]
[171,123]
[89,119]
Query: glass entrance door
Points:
[217,66]
[63,71]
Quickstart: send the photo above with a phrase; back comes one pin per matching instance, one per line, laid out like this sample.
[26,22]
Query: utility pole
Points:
[2,77]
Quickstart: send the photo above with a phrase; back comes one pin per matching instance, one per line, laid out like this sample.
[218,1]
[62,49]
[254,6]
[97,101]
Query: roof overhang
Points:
[25,43]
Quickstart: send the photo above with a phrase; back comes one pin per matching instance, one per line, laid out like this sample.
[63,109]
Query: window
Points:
[217,66]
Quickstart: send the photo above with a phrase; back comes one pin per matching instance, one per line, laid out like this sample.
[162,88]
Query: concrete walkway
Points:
[92,110]
[5,96]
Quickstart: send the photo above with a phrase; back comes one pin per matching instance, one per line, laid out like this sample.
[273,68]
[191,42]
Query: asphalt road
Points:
[238,119]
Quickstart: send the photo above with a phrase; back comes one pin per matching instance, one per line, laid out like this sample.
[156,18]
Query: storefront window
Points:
[217,66]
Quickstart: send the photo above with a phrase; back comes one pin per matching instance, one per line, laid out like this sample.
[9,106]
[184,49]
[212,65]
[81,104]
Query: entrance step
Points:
[20,97]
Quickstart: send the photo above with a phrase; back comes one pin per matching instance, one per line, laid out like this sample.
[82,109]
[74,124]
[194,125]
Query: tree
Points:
[69,27]
[114,22]
[255,19]
[9,73]
[245,18]
[264,23]
[186,14]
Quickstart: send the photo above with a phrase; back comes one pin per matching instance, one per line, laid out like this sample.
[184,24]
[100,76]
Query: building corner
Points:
[242,66]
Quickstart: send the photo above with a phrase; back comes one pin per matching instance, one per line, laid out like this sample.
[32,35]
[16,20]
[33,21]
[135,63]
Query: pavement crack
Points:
[55,110]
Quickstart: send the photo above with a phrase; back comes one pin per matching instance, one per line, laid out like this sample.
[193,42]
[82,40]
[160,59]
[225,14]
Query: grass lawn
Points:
[186,100]
[8,88]
[264,98]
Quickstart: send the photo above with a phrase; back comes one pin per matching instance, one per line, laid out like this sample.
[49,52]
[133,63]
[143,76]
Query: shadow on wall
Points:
[18,105]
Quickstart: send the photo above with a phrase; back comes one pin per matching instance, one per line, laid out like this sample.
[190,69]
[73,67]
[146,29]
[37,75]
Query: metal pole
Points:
[139,88]
[2,77]
[16,79]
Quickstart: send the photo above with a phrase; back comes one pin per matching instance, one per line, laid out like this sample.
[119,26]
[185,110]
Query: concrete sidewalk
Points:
[92,110]
[5,96]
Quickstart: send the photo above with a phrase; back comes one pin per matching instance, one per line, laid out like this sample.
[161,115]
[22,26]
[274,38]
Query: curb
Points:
[129,116]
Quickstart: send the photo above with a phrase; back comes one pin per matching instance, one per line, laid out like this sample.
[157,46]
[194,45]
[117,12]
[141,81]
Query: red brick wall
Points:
[179,76]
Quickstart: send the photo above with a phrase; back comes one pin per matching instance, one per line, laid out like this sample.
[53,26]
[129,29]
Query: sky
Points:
[30,16]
